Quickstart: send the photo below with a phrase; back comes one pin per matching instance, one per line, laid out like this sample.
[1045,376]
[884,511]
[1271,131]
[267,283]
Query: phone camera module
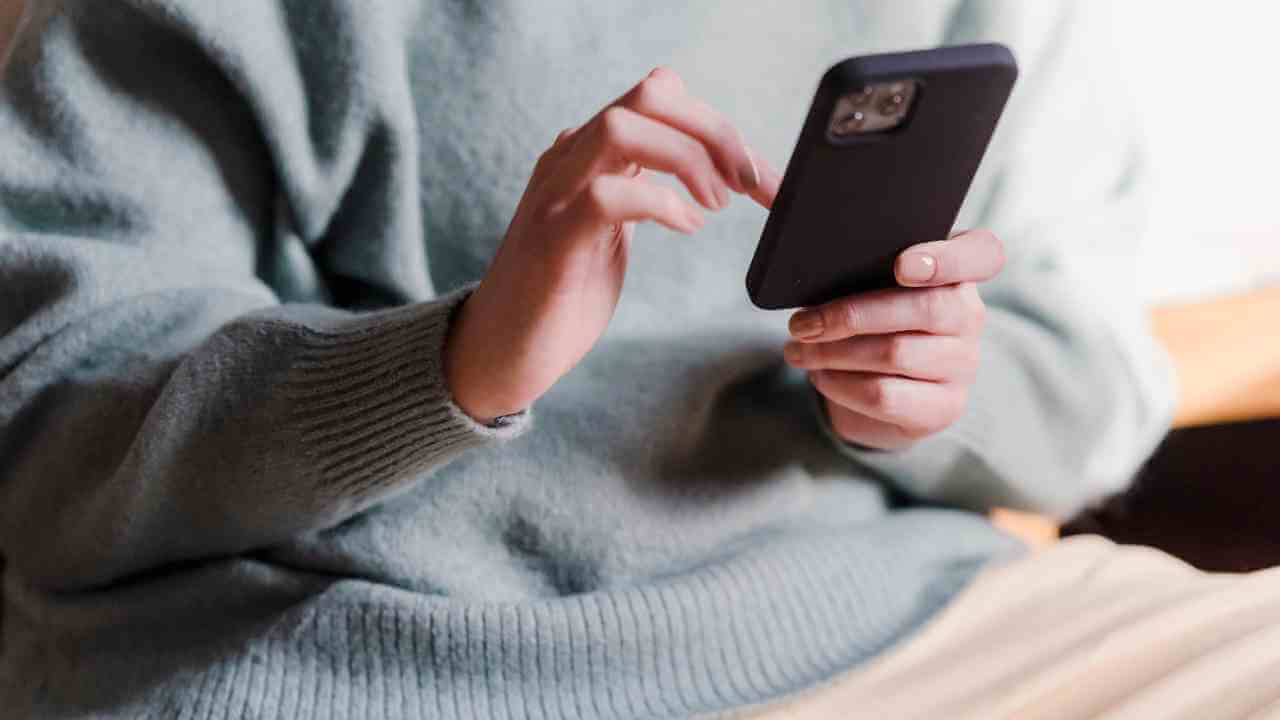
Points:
[876,108]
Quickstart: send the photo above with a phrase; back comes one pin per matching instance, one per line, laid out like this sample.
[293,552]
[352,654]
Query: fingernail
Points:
[806,324]
[748,175]
[918,267]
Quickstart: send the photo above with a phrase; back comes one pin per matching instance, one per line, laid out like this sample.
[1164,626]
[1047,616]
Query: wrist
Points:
[471,365]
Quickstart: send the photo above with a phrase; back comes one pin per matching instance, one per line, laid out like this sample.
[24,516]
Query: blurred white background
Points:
[1206,77]
[1206,81]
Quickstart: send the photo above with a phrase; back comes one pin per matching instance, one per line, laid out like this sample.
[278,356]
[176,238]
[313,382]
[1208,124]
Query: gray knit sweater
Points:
[232,480]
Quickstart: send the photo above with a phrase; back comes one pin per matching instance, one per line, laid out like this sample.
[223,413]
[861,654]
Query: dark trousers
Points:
[1209,495]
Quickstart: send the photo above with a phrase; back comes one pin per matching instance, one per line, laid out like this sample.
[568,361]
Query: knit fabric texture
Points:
[233,482]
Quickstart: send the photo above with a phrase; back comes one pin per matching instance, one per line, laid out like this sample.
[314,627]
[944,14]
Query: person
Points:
[269,450]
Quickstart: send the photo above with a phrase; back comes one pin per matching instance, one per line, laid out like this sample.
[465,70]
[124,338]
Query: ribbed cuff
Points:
[371,403]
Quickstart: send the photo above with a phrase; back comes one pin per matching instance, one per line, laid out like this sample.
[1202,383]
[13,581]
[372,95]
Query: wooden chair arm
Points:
[1227,354]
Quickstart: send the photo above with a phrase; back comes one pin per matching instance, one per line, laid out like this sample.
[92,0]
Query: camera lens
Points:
[893,103]
[850,123]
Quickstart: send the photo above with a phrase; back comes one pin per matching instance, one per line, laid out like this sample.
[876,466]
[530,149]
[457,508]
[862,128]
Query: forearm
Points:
[175,423]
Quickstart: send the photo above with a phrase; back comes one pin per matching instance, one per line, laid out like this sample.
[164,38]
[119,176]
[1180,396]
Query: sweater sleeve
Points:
[190,194]
[1073,392]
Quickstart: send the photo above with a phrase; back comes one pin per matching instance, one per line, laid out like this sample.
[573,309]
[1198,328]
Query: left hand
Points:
[895,365]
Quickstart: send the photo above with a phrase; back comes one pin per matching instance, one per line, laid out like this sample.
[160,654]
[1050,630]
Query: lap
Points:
[1083,628]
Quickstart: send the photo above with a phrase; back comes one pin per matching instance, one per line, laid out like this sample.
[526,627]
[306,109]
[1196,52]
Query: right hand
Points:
[553,285]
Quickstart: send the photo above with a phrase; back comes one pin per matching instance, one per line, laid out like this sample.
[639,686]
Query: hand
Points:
[554,283]
[895,365]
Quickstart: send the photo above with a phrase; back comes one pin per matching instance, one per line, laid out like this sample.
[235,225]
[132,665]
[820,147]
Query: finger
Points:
[972,256]
[613,199]
[662,96]
[919,408]
[914,355]
[770,181]
[619,140]
[857,428]
[948,310]
[621,137]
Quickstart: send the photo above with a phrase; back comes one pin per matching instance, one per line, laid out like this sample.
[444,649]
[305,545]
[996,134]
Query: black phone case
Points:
[847,207]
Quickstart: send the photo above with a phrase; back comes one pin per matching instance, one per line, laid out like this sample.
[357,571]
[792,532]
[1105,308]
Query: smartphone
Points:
[884,160]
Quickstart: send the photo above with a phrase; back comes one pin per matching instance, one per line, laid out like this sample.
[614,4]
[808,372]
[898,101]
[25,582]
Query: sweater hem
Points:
[748,630]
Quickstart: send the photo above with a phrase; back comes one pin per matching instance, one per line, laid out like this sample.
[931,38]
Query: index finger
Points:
[661,96]
[971,256]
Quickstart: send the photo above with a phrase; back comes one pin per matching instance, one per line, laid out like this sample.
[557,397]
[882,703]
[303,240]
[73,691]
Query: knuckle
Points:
[664,78]
[699,156]
[894,351]
[595,195]
[724,133]
[951,309]
[974,309]
[547,157]
[725,141]
[933,306]
[690,159]
[613,124]
[841,317]
[540,165]
[879,396]
[647,91]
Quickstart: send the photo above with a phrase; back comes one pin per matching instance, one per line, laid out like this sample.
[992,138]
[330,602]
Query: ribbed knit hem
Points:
[781,617]
[371,401]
